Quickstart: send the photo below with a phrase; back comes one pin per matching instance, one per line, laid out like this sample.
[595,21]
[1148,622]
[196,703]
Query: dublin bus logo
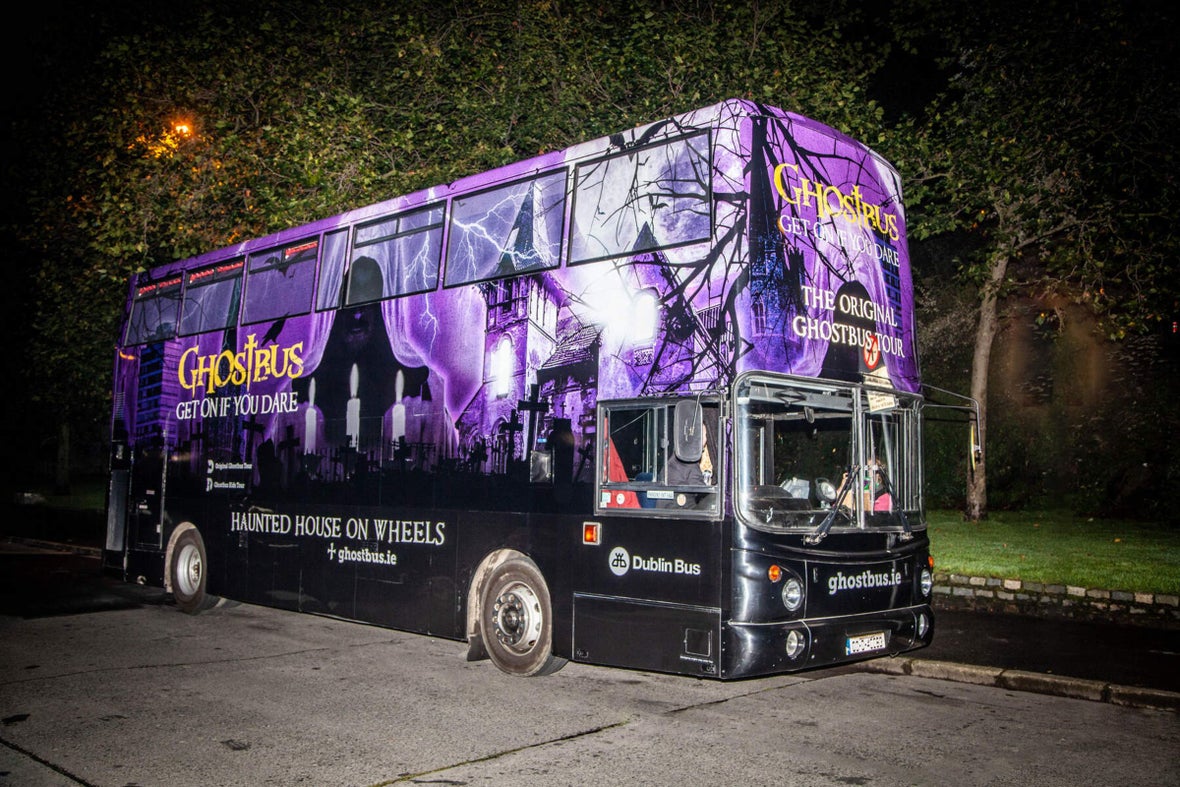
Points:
[620,561]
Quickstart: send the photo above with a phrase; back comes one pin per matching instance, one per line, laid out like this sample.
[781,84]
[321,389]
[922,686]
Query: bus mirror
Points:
[688,425]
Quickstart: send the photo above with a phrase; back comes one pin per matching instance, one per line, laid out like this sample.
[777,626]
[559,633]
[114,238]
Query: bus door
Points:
[134,503]
[942,406]
[648,593]
[146,497]
[117,497]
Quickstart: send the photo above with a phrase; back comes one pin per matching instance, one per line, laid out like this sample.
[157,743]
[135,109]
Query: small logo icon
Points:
[620,561]
[872,352]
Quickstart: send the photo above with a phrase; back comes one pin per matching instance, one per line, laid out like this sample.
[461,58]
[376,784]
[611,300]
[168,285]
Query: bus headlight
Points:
[923,625]
[927,581]
[795,643]
[792,594]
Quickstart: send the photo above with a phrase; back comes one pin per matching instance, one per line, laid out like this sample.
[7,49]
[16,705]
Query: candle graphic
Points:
[398,418]
[352,415]
[309,420]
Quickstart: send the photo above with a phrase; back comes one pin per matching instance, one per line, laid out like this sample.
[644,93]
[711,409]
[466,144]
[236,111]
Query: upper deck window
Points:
[280,282]
[642,200]
[211,297]
[154,311]
[333,261]
[507,230]
[400,256]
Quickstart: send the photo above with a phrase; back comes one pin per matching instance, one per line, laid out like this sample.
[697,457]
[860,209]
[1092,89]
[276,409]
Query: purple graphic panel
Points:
[663,260]
[830,293]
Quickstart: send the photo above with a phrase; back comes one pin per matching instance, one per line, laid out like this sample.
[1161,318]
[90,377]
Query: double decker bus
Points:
[652,402]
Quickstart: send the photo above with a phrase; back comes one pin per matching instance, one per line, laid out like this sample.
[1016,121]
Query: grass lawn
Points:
[1057,547]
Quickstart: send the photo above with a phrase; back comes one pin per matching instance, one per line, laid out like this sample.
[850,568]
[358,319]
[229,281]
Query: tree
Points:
[1051,152]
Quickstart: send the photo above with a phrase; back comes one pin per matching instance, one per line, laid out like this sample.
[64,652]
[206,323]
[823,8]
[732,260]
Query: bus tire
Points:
[516,620]
[186,573]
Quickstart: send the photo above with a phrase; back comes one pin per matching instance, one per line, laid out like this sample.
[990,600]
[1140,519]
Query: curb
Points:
[1020,680]
[1040,599]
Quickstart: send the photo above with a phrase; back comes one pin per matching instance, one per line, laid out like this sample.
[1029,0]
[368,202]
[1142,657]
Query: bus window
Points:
[279,282]
[648,463]
[211,298]
[891,470]
[153,311]
[333,261]
[405,249]
[507,230]
[804,450]
[642,200]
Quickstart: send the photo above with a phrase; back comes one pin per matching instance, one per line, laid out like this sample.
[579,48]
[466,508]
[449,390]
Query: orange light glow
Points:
[774,573]
[590,533]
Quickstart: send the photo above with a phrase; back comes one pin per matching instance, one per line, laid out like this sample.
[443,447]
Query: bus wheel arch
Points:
[510,616]
[187,566]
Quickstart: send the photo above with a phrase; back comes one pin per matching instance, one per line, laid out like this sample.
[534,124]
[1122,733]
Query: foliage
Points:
[1051,144]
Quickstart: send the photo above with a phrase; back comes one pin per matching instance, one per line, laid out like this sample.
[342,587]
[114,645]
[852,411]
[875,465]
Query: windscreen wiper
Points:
[821,532]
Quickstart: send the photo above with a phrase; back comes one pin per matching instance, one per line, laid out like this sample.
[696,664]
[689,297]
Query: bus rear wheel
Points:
[186,572]
[516,620]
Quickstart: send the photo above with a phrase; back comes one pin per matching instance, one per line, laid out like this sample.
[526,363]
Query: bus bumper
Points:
[769,648]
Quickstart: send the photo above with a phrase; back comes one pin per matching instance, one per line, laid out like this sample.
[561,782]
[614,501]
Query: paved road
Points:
[37,582]
[1123,655]
[115,687]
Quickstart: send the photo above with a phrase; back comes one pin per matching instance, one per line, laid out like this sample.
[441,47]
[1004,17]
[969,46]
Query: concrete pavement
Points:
[1154,693]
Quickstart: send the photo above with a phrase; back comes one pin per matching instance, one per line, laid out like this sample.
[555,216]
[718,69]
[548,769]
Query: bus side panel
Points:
[389,568]
[647,635]
[649,595]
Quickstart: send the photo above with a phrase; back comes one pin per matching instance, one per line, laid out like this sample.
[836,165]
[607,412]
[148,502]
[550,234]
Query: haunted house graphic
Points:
[550,346]
[543,360]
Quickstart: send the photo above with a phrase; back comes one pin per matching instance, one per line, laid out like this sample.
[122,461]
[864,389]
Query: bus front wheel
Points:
[516,619]
[186,572]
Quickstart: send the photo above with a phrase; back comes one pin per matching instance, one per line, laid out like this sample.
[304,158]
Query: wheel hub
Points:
[517,617]
[189,575]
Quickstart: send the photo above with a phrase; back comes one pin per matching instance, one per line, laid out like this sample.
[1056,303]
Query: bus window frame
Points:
[619,497]
[454,214]
[575,230]
[170,287]
[792,518]
[335,246]
[256,263]
[232,269]
[357,248]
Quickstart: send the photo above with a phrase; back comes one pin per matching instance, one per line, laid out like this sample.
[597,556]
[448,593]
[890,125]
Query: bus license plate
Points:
[865,643]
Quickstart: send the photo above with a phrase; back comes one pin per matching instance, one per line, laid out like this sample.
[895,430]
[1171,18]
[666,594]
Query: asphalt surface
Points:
[54,570]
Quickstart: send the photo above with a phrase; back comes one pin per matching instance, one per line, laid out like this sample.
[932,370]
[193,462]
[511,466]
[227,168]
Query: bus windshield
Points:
[809,452]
